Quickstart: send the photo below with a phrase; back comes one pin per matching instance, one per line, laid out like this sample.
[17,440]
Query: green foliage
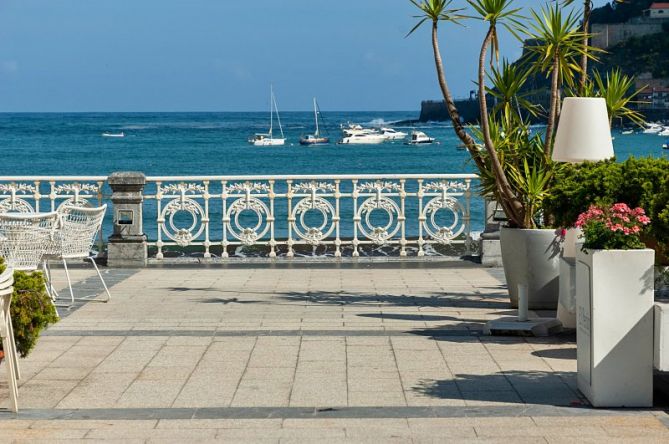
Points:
[639,182]
[31,310]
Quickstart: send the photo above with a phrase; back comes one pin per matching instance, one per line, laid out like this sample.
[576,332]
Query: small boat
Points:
[315,138]
[116,135]
[420,138]
[665,145]
[391,134]
[267,139]
[363,139]
[652,128]
[664,132]
[627,132]
[352,129]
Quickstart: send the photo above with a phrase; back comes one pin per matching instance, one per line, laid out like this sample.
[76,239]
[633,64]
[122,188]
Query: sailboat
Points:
[267,139]
[315,138]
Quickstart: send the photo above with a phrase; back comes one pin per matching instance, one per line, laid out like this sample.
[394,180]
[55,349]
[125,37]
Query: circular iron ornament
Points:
[182,236]
[443,235]
[313,235]
[247,235]
[378,234]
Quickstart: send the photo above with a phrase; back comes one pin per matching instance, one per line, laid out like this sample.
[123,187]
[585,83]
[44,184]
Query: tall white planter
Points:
[532,258]
[614,306]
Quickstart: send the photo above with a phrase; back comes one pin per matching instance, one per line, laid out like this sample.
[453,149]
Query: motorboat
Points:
[627,132]
[114,135]
[392,134]
[665,145]
[353,129]
[420,138]
[315,138]
[268,139]
[664,132]
[362,139]
[652,128]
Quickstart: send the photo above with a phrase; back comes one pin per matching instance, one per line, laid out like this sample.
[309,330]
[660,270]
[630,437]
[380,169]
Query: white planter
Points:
[661,359]
[614,306]
[532,257]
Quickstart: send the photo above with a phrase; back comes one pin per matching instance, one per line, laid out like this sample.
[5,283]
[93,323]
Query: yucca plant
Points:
[515,164]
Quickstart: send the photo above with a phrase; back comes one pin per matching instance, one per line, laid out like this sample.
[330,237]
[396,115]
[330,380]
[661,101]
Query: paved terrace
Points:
[376,353]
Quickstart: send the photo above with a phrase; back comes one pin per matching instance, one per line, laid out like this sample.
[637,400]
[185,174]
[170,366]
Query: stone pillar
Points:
[491,252]
[127,245]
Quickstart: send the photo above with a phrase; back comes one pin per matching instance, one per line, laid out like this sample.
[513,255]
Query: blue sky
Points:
[221,55]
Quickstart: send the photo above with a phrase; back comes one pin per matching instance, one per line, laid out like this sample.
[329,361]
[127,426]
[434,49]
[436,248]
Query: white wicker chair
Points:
[79,227]
[25,238]
[7,336]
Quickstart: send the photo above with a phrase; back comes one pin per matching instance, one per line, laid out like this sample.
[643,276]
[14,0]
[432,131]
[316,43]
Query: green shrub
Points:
[639,182]
[31,310]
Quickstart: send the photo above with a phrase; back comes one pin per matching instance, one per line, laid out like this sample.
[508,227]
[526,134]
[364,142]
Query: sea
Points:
[215,143]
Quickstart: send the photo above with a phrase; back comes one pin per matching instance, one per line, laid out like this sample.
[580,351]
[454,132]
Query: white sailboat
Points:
[316,138]
[267,139]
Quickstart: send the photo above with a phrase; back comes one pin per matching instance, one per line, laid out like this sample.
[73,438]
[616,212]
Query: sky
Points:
[222,55]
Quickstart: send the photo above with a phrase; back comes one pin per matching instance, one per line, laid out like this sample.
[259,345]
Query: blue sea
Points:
[216,144]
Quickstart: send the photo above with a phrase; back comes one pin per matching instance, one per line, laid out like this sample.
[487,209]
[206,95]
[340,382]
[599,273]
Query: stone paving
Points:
[368,353]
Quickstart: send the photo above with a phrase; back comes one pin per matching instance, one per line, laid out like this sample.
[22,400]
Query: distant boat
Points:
[391,134]
[665,145]
[420,138]
[315,138]
[628,132]
[664,132]
[363,139]
[652,128]
[267,139]
[117,135]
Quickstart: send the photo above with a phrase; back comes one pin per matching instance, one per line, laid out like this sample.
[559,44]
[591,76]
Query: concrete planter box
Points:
[532,257]
[614,306]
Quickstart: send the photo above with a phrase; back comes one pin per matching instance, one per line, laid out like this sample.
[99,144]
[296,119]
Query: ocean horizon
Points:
[215,143]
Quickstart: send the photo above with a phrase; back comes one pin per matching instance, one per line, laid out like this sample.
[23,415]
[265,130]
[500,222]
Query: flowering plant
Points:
[616,228]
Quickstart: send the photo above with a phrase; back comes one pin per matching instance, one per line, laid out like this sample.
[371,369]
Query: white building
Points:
[658,11]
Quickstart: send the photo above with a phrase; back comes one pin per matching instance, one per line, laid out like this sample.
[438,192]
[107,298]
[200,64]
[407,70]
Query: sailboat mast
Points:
[318,133]
[271,114]
[278,118]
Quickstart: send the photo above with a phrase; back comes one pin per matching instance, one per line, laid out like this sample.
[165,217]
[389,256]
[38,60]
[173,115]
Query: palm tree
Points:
[433,12]
[557,43]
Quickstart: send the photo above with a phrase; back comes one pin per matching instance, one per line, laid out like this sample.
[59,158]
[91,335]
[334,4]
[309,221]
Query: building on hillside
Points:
[606,35]
[658,10]
[654,98]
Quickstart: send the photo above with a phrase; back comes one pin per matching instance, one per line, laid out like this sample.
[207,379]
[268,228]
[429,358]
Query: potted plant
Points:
[515,164]
[614,307]
[31,309]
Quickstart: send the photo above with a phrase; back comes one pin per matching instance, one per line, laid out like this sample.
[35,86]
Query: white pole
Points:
[522,302]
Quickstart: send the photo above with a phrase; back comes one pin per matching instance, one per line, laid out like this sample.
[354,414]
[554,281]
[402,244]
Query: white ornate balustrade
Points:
[214,215]
[282,212]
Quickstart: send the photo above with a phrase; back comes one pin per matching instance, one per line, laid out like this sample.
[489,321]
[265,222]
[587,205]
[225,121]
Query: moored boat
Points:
[392,134]
[664,132]
[665,145]
[114,135]
[362,139]
[420,138]
[267,139]
[315,138]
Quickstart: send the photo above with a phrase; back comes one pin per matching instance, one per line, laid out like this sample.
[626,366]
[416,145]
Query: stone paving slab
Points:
[304,354]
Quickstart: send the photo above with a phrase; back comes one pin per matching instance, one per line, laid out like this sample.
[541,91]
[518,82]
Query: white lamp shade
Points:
[583,132]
